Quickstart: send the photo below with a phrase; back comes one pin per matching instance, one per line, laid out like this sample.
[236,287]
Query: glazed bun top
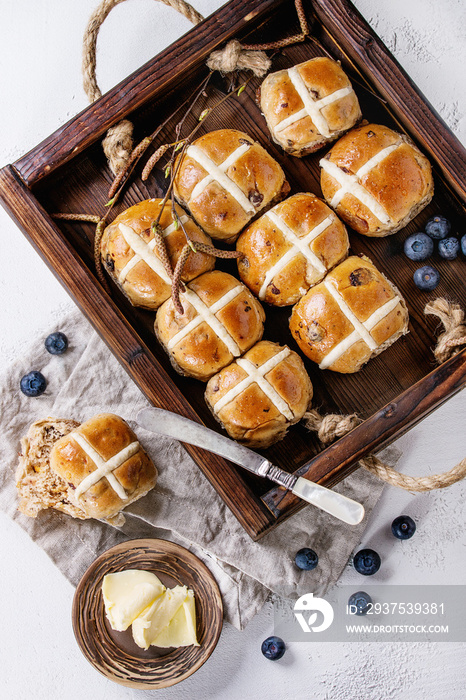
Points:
[257,397]
[221,319]
[104,464]
[376,179]
[291,248]
[308,105]
[129,251]
[225,179]
[353,315]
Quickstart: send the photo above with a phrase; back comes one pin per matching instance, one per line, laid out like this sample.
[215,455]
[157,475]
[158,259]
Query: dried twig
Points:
[155,157]
[91,218]
[97,258]
[199,247]
[176,280]
[162,248]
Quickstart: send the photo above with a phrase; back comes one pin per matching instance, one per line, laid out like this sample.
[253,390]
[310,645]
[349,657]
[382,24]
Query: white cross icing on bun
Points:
[376,179]
[225,178]
[221,320]
[350,317]
[291,248]
[308,105]
[258,396]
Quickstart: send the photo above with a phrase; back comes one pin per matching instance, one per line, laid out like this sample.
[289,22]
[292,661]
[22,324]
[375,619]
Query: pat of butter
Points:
[181,631]
[127,594]
[149,624]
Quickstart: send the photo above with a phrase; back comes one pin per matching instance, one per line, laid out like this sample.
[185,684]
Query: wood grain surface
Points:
[68,173]
[115,654]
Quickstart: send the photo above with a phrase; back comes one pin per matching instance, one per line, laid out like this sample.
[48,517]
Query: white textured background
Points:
[40,55]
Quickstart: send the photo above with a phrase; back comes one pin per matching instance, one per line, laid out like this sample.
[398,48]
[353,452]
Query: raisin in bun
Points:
[221,320]
[350,317]
[130,255]
[376,179]
[308,105]
[258,396]
[291,248]
[225,178]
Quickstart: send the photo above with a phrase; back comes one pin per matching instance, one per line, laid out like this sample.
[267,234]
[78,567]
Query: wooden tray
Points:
[67,173]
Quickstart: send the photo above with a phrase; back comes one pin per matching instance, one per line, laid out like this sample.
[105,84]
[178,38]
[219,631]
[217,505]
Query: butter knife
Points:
[158,420]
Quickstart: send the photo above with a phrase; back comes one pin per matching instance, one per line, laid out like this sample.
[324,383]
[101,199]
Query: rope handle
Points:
[118,143]
[333,426]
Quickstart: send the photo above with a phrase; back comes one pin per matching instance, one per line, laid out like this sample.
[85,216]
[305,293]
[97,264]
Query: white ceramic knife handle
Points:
[330,501]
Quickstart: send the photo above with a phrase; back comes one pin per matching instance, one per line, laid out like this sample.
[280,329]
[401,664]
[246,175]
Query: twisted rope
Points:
[118,143]
[451,316]
[333,426]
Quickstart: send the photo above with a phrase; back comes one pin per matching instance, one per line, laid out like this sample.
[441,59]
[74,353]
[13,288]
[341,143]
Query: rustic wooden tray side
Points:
[67,172]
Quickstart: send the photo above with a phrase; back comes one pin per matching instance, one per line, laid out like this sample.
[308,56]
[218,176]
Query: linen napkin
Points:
[183,507]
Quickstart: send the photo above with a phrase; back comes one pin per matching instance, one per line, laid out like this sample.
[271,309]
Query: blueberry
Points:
[361,602]
[306,559]
[56,343]
[449,248]
[463,244]
[438,227]
[366,562]
[33,384]
[403,527]
[418,247]
[273,648]
[426,278]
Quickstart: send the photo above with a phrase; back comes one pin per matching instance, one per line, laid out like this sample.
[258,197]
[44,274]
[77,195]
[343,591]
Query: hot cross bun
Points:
[291,248]
[376,179]
[308,105]
[221,320]
[130,256]
[92,470]
[350,317]
[225,178]
[104,465]
[258,396]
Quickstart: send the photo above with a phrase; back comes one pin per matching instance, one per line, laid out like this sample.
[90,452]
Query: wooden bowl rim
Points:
[88,593]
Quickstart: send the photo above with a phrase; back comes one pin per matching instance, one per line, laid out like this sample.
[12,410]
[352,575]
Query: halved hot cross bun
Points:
[308,105]
[376,179]
[291,248]
[130,255]
[221,320]
[350,317]
[104,466]
[258,396]
[225,179]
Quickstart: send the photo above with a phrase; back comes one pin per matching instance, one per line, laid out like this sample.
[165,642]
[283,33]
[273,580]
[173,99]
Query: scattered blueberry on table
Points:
[366,562]
[449,248]
[426,278]
[306,559]
[56,343]
[418,247]
[33,384]
[403,527]
[273,648]
[361,601]
[438,227]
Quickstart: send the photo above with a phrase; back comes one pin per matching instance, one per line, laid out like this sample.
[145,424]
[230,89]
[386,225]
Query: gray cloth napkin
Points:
[183,507]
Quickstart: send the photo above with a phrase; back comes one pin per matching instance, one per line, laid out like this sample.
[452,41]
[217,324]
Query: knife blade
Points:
[162,422]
